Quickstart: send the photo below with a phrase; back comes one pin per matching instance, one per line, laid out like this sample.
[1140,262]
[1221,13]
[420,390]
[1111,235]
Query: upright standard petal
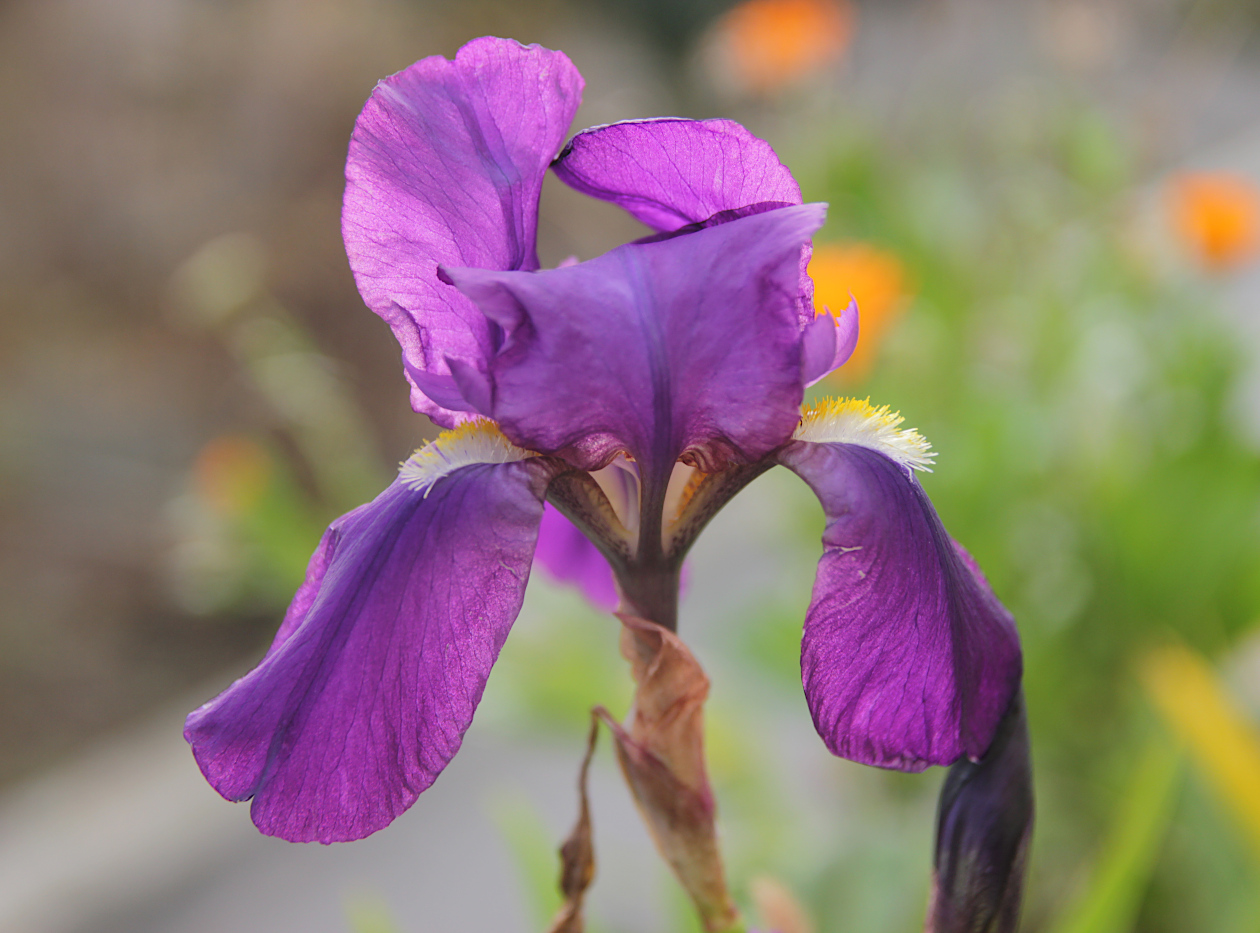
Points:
[908,659]
[445,166]
[688,345]
[671,172]
[368,689]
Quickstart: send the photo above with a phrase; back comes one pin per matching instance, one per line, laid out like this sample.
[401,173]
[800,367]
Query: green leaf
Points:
[1111,901]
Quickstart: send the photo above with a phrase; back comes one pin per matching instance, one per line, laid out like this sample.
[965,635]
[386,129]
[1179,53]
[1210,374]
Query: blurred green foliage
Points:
[1077,384]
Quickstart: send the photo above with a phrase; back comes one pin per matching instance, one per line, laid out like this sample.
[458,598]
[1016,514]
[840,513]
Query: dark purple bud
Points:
[983,826]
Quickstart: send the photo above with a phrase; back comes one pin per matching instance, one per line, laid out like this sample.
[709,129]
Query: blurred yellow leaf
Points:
[1224,744]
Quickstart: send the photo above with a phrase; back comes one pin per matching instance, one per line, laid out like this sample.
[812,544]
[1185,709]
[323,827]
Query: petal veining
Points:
[685,345]
[908,659]
[446,164]
[671,172]
[371,682]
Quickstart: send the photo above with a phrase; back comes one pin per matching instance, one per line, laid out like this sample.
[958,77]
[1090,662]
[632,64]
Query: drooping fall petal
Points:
[686,345]
[375,674]
[446,164]
[908,659]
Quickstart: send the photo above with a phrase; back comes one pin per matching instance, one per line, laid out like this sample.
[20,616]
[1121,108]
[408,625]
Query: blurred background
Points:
[1049,212]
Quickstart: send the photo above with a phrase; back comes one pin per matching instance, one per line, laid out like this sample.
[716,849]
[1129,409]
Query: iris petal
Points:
[908,658]
[828,341]
[569,557]
[446,164]
[672,172]
[690,344]
[669,173]
[373,679]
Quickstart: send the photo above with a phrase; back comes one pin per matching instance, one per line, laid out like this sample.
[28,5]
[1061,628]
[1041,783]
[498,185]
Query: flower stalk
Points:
[661,752]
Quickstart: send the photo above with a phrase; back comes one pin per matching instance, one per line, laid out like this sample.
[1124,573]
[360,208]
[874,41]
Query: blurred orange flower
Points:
[876,278]
[1216,217]
[768,44]
[231,473]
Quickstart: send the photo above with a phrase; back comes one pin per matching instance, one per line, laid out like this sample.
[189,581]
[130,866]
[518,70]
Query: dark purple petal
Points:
[908,659]
[373,678]
[983,828]
[569,557]
[672,172]
[445,166]
[690,344]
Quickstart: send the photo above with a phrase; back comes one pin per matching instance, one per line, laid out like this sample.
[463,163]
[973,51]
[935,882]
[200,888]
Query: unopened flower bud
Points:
[983,826]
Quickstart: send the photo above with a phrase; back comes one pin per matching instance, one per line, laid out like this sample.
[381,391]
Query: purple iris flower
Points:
[636,393]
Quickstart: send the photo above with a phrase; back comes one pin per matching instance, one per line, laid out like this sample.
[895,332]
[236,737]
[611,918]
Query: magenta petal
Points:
[846,333]
[827,342]
[818,348]
[672,172]
[569,557]
[440,389]
[372,680]
[688,344]
[908,658]
[445,166]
